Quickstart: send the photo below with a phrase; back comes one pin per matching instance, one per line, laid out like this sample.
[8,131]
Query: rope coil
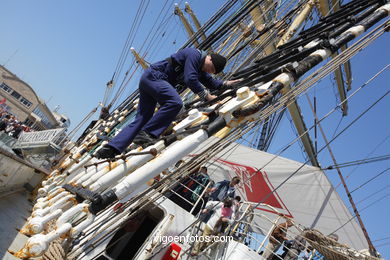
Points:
[331,249]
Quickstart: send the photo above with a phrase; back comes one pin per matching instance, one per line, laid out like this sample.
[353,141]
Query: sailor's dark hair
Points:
[218,61]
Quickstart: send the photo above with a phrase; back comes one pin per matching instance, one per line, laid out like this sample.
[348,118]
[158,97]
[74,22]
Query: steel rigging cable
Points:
[130,38]
[339,133]
[336,136]
[371,195]
[350,123]
[358,162]
[148,47]
[126,47]
[210,23]
[361,210]
[371,179]
[128,44]
[291,175]
[376,147]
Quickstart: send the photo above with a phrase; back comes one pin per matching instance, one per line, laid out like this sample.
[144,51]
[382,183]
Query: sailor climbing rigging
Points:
[188,66]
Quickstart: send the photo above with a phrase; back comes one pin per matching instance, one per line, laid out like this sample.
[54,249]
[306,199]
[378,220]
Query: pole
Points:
[355,210]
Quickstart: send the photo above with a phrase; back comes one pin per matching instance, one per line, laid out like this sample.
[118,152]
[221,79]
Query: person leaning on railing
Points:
[277,237]
[224,189]
[297,245]
[222,215]
[4,122]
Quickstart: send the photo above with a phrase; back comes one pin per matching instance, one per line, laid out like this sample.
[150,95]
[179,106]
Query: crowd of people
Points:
[10,125]
[217,202]
[218,208]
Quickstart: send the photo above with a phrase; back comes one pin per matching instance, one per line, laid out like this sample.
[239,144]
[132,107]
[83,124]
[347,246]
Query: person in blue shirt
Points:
[188,66]
[224,189]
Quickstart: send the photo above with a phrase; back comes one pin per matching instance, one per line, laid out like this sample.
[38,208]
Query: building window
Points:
[44,118]
[6,88]
[15,94]
[25,102]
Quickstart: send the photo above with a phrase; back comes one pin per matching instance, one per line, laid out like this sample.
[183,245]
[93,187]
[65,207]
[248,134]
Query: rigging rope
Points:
[148,47]
[349,97]
[330,141]
[82,122]
[380,143]
[126,49]
[384,244]
[202,160]
[380,239]
[372,194]
[358,162]
[124,53]
[373,178]
[354,216]
[290,176]
[129,40]
[226,141]
[125,81]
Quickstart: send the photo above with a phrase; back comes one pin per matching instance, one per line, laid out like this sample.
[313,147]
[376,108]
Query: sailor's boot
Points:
[107,152]
[144,139]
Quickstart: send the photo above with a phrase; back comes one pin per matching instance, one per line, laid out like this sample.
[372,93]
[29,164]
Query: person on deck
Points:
[296,247]
[278,236]
[4,123]
[224,189]
[222,215]
[17,130]
[188,66]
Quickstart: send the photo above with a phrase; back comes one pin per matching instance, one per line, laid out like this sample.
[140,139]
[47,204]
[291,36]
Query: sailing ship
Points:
[113,209]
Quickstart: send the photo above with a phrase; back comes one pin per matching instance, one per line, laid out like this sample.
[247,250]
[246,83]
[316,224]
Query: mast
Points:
[245,105]
[139,59]
[186,24]
[300,125]
[372,249]
[293,108]
[301,17]
[188,10]
[260,20]
[325,9]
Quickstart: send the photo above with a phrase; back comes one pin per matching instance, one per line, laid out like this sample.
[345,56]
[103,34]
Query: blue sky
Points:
[68,50]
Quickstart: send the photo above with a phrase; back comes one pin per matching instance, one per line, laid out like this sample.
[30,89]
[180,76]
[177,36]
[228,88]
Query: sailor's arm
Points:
[191,74]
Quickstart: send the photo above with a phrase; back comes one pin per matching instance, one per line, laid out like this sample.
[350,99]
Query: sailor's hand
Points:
[229,83]
[210,97]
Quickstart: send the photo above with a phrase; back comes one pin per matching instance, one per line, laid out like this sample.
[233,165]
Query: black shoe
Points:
[143,138]
[107,152]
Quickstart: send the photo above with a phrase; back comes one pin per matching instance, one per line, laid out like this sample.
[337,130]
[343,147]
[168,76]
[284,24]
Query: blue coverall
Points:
[157,86]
